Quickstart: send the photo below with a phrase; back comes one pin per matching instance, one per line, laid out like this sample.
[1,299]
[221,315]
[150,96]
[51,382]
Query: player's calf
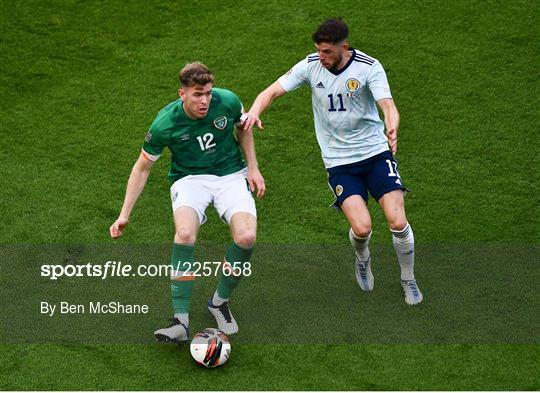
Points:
[403,241]
[360,244]
[364,276]
[233,267]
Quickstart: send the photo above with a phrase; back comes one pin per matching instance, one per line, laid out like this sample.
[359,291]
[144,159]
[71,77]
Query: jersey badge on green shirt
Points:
[220,122]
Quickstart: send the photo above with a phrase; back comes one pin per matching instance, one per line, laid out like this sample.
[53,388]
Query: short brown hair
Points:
[333,30]
[195,74]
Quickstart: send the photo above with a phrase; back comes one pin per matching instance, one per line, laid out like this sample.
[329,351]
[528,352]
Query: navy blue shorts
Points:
[378,175]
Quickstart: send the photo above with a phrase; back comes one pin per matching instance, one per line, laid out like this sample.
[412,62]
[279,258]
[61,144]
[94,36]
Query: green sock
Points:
[227,283]
[182,285]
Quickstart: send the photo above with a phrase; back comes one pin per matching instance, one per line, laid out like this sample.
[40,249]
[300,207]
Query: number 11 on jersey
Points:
[392,171]
[332,107]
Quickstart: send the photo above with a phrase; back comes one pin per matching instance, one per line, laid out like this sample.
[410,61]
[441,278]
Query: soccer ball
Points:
[210,348]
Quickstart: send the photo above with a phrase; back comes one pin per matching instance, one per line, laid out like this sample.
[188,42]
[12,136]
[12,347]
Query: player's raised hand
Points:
[256,181]
[392,139]
[251,120]
[117,228]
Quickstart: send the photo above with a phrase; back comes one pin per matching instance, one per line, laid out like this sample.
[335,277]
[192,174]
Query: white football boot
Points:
[364,277]
[174,333]
[412,292]
[226,322]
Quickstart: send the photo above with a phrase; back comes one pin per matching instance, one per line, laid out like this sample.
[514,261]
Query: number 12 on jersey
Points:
[332,107]
[205,142]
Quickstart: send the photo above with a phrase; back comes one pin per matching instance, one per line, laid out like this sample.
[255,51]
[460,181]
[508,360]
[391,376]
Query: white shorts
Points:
[229,194]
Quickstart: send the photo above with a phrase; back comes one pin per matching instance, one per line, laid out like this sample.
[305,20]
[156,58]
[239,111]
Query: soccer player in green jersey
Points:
[207,167]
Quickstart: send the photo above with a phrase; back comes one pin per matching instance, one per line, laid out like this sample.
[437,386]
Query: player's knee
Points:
[184,236]
[397,223]
[245,238]
[361,230]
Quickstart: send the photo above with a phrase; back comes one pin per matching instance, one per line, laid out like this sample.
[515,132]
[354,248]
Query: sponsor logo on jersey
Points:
[352,85]
[220,123]
[319,85]
[148,136]
[185,137]
[339,190]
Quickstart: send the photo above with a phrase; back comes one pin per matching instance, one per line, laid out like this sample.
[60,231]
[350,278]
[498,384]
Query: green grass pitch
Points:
[82,80]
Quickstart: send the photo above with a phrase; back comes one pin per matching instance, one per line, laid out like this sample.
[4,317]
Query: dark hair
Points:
[333,30]
[195,74]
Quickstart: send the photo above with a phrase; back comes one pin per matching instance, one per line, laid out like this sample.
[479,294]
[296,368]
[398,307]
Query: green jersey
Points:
[204,146]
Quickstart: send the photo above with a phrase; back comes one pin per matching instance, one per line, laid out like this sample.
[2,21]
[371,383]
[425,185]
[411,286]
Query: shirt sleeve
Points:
[295,77]
[378,83]
[232,103]
[237,109]
[153,143]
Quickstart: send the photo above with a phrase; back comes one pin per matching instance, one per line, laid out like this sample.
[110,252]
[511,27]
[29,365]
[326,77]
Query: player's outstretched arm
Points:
[254,177]
[135,186]
[263,101]
[391,121]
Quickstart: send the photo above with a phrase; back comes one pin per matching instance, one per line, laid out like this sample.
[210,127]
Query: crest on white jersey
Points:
[352,85]
[221,122]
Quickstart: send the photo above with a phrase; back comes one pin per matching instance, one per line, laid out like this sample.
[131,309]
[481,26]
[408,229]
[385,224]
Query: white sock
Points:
[218,301]
[404,245]
[360,245]
[184,318]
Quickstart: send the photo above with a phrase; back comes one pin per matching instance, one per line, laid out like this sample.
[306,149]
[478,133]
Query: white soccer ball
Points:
[210,348]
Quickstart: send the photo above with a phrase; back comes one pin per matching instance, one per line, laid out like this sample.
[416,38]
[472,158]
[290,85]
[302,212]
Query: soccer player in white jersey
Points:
[346,86]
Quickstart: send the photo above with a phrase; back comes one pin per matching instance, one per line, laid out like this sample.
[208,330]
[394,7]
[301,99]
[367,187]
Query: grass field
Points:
[82,81]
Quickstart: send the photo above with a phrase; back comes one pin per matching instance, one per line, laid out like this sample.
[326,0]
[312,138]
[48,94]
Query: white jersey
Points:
[347,122]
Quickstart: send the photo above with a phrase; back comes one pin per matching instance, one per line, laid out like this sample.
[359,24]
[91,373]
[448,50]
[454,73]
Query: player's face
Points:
[331,55]
[196,100]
